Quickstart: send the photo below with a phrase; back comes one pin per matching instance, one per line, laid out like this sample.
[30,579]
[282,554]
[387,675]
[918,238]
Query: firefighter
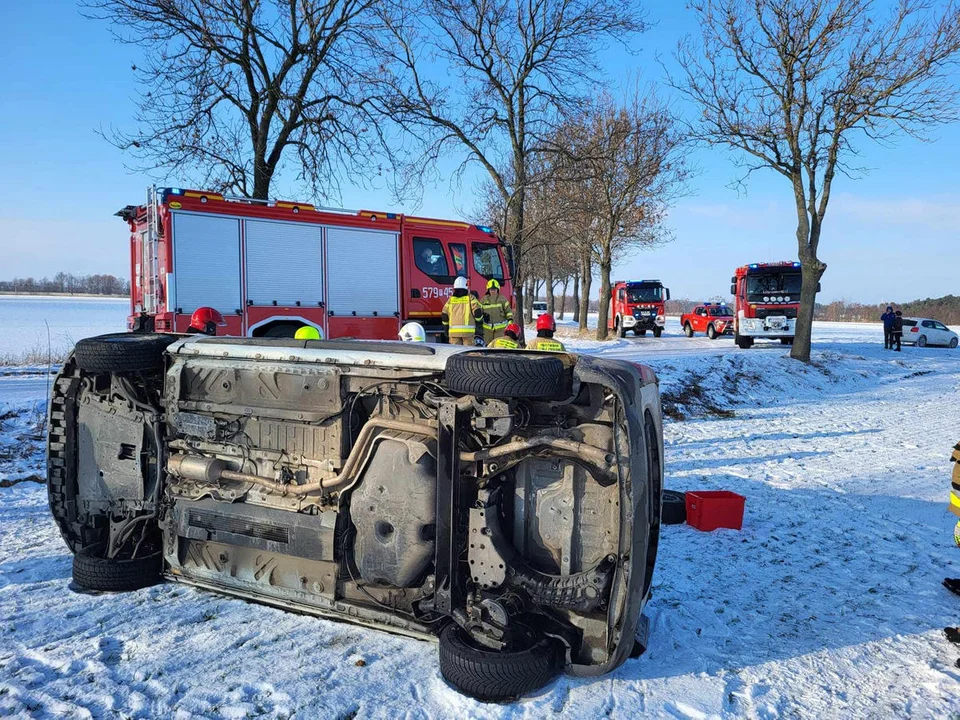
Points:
[461,314]
[413,332]
[510,339]
[496,313]
[205,321]
[546,327]
[307,332]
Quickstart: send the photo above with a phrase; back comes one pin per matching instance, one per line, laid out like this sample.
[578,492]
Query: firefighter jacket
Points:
[504,343]
[461,314]
[496,313]
[547,344]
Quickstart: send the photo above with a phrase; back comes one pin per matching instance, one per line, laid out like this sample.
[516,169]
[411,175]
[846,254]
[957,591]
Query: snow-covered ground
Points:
[827,604]
[25,319]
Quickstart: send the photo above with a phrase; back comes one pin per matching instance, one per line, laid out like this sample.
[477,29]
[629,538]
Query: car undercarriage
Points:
[505,503]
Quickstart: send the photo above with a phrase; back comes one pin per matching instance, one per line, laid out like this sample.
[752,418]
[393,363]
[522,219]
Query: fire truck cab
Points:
[767,300]
[271,267]
[637,305]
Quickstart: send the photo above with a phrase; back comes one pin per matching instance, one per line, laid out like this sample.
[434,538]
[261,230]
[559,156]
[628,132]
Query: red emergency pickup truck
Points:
[714,319]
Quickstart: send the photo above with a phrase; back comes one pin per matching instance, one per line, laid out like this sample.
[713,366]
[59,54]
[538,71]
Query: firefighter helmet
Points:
[493,284]
[546,322]
[413,332]
[307,332]
[206,320]
[513,330]
[460,283]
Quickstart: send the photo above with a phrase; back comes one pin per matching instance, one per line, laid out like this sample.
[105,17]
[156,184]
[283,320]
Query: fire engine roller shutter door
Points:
[362,270]
[206,262]
[284,263]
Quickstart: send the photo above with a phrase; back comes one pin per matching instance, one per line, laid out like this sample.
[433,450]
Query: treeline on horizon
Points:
[68,283]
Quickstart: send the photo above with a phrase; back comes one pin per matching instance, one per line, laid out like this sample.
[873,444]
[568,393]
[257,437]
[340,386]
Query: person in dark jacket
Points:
[896,331]
[887,319]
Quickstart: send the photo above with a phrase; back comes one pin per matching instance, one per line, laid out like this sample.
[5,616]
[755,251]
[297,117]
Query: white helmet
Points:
[460,283]
[413,332]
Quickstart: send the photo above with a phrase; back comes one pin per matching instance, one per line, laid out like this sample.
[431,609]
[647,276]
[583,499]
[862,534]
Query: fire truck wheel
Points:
[508,375]
[674,508]
[688,330]
[641,333]
[621,331]
[122,352]
[711,332]
[657,331]
[786,341]
[744,343]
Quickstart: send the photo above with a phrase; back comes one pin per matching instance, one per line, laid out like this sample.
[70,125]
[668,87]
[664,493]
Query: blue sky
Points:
[892,235]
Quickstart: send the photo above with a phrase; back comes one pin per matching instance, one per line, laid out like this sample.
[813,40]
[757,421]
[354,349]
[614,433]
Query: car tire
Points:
[922,341]
[92,572]
[498,676]
[953,343]
[657,331]
[507,374]
[674,510]
[688,330]
[711,332]
[122,352]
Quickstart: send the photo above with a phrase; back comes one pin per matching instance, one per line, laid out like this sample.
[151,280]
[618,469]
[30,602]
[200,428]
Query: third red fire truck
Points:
[637,305]
[767,300]
[271,267]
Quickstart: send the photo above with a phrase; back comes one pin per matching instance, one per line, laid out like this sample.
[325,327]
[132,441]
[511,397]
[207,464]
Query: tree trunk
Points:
[563,298]
[603,309]
[532,296]
[586,279]
[548,281]
[811,270]
[576,298]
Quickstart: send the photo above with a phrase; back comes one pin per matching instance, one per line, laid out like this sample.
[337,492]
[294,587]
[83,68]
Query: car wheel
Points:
[922,341]
[657,331]
[711,332]
[674,508]
[122,352]
[687,330]
[496,676]
[507,375]
[953,343]
[92,572]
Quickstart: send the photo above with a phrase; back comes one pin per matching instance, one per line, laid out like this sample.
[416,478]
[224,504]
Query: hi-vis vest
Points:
[498,313]
[504,343]
[545,344]
[460,315]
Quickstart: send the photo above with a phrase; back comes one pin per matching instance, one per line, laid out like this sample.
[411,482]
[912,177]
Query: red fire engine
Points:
[767,299]
[714,319]
[637,305]
[272,267]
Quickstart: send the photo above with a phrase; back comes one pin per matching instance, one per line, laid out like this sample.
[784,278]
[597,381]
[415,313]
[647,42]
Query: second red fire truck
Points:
[767,300]
[273,267]
[637,305]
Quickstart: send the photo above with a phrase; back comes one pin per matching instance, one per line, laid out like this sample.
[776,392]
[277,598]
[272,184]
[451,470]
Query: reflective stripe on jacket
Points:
[546,344]
[460,315]
[498,313]
[504,343]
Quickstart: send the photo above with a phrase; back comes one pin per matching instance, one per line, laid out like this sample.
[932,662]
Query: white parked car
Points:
[924,331]
[539,308]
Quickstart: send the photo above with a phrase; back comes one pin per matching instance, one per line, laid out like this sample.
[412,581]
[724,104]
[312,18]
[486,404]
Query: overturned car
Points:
[505,503]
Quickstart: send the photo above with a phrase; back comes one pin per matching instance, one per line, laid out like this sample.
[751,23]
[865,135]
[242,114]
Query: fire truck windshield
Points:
[640,294]
[779,284]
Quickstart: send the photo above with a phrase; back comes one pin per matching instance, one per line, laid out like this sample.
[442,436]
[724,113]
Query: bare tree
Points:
[492,77]
[233,88]
[626,166]
[791,84]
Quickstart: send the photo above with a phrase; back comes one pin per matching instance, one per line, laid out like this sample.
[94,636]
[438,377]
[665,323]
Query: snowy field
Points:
[827,604]
[24,320]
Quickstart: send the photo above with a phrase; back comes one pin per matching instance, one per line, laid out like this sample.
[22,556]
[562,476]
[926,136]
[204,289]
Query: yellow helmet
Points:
[307,332]
[493,284]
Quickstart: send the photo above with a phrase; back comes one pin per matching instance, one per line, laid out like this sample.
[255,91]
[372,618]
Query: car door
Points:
[929,329]
[943,333]
[701,325]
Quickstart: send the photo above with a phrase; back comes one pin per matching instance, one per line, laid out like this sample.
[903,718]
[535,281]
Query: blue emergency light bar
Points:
[484,228]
